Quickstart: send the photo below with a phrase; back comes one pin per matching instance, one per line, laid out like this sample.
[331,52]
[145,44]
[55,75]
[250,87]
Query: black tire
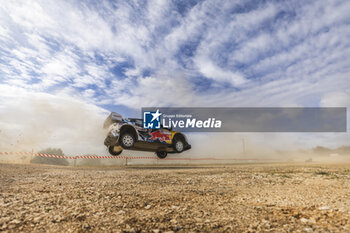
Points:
[161,154]
[113,152]
[178,145]
[127,140]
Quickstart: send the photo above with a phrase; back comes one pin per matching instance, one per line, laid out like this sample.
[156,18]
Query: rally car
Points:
[128,133]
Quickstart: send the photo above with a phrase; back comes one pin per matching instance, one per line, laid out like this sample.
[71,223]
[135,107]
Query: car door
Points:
[161,135]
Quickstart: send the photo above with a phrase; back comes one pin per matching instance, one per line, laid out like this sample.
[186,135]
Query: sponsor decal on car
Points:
[161,136]
[115,133]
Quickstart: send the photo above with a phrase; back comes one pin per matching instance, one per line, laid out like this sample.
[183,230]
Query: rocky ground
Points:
[236,198]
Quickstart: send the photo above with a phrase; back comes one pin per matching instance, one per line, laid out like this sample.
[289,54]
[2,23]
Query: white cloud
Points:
[212,71]
[77,32]
[336,99]
[151,91]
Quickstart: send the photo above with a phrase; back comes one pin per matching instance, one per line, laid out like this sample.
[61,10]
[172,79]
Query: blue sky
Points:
[124,55]
[178,53]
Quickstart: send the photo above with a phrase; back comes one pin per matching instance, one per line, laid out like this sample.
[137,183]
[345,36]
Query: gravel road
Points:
[236,198]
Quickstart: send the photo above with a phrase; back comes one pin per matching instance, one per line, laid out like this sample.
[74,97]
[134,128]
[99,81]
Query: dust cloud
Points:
[36,121]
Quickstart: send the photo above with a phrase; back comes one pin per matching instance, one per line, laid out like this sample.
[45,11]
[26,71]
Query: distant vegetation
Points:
[51,160]
[343,150]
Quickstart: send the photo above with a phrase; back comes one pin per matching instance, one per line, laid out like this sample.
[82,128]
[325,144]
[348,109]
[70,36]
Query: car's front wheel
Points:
[178,145]
[114,152]
[161,154]
[127,140]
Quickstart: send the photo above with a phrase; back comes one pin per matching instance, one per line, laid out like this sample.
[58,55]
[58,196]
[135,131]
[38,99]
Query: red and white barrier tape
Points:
[127,157]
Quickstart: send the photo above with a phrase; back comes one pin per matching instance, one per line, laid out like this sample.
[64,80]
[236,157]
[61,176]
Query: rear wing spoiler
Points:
[112,118]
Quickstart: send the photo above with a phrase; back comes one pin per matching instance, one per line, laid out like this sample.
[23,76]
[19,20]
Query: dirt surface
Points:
[237,198]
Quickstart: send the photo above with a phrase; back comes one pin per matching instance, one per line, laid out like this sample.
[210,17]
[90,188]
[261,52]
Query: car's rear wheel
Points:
[127,140]
[161,154]
[178,145]
[114,152]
